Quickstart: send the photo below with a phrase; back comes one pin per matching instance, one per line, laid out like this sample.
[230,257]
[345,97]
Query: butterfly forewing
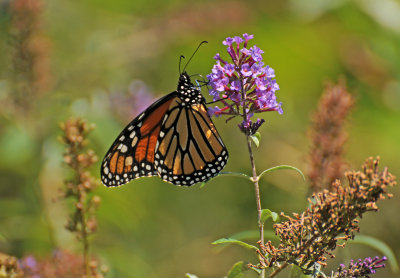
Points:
[132,153]
[174,139]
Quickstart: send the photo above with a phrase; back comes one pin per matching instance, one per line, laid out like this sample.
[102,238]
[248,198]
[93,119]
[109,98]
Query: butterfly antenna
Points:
[193,54]
[180,61]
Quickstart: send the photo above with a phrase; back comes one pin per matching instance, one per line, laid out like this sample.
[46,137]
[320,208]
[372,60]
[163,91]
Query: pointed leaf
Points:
[250,234]
[256,270]
[282,167]
[379,245]
[237,270]
[266,214]
[255,139]
[235,241]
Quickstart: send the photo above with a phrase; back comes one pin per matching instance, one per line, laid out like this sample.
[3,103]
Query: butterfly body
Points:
[174,139]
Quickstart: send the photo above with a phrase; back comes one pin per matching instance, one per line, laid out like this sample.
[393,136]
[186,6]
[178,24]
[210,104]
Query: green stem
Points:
[257,194]
[85,246]
[81,199]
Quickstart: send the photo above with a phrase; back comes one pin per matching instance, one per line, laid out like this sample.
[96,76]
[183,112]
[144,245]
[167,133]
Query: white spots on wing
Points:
[133,133]
[122,138]
[105,170]
[165,118]
[124,148]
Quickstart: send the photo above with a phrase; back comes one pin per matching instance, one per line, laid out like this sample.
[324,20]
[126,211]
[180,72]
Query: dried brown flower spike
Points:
[307,238]
[328,137]
[82,220]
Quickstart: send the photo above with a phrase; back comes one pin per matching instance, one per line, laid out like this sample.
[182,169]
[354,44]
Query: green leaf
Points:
[256,270]
[296,272]
[251,234]
[254,234]
[231,174]
[379,245]
[237,270]
[188,275]
[282,167]
[256,137]
[235,241]
[266,214]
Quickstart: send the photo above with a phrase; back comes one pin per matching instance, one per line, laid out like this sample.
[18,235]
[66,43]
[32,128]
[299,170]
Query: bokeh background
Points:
[105,61]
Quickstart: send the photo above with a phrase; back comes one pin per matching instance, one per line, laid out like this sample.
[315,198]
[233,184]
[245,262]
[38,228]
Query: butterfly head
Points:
[187,91]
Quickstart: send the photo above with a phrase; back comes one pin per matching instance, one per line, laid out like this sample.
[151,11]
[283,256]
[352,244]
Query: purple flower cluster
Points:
[360,268]
[245,86]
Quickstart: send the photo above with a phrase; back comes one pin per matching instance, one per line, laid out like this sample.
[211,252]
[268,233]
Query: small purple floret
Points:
[228,41]
[360,268]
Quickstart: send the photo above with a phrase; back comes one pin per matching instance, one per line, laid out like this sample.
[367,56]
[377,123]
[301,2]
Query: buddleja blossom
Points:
[360,268]
[243,84]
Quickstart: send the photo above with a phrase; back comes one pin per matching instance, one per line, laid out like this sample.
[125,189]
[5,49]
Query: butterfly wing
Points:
[174,139]
[132,154]
[189,149]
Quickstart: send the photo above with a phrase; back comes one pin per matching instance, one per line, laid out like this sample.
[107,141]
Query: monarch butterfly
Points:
[174,138]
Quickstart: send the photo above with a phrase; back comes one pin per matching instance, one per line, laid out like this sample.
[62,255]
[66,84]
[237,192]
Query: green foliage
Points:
[256,138]
[267,214]
[235,241]
[237,270]
[296,272]
[282,167]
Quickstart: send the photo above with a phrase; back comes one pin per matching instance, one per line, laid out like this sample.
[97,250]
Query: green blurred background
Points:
[106,60]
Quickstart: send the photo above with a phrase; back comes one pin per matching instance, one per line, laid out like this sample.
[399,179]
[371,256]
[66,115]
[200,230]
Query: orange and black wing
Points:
[132,155]
[189,149]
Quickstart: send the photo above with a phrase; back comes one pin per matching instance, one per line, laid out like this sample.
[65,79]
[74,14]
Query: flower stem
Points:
[257,194]
[85,241]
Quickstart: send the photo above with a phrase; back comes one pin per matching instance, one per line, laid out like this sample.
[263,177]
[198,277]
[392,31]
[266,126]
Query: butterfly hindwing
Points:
[190,149]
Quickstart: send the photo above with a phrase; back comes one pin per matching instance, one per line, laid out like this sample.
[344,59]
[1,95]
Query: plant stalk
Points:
[257,195]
